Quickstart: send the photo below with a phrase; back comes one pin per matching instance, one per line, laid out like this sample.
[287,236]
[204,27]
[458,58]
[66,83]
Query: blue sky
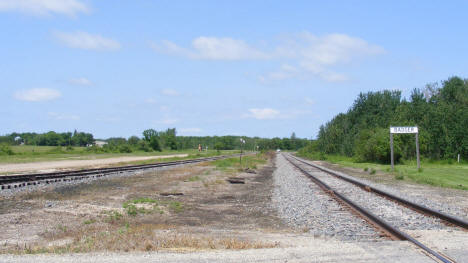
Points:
[256,68]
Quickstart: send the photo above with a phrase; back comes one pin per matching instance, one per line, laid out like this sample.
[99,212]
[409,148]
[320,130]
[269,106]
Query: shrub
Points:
[373,146]
[399,177]
[124,148]
[144,146]
[373,171]
[5,149]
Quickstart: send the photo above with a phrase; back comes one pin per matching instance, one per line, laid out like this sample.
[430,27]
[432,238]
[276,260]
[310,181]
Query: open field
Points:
[107,161]
[26,154]
[438,173]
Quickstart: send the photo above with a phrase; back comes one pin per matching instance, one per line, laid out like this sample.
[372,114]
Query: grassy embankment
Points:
[442,173]
[25,154]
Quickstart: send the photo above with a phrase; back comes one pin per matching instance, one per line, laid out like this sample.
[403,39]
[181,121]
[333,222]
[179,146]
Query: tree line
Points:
[153,140]
[48,139]
[440,110]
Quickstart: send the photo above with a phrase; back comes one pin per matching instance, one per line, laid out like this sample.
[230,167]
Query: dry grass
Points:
[123,236]
[128,214]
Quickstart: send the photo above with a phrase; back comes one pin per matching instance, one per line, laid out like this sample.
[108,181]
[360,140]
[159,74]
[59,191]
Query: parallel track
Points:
[23,179]
[375,220]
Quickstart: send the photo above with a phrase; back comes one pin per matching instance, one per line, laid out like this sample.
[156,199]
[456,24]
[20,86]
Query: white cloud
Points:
[150,101]
[80,81]
[309,54]
[168,121]
[84,40]
[45,7]
[62,116]
[317,55]
[212,48]
[309,101]
[190,130]
[263,114]
[332,49]
[38,94]
[286,71]
[170,92]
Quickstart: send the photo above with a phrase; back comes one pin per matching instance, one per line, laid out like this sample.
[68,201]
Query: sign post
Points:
[242,142]
[391,151]
[402,130]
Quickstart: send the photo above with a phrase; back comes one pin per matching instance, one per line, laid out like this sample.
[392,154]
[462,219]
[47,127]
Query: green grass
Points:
[250,162]
[194,178]
[132,210]
[26,153]
[437,173]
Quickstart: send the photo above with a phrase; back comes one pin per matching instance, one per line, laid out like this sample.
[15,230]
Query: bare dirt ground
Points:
[189,207]
[69,164]
[183,214]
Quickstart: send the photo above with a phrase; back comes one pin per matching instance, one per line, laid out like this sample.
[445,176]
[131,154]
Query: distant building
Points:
[100,143]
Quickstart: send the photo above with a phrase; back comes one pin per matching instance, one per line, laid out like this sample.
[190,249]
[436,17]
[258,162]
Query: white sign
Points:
[403,129]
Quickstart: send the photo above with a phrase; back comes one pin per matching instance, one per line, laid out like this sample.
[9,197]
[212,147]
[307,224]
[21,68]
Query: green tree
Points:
[154,144]
[150,133]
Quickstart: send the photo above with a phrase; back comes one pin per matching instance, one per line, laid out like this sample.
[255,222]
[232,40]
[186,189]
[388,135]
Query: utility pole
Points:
[241,145]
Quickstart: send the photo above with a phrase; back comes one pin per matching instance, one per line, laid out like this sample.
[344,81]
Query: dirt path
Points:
[67,164]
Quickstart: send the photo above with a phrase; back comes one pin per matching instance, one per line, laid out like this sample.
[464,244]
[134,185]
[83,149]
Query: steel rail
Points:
[449,218]
[370,216]
[21,178]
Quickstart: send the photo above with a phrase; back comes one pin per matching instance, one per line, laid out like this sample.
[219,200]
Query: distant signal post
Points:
[400,130]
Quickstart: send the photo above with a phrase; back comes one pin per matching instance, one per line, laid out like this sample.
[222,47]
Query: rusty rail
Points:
[369,216]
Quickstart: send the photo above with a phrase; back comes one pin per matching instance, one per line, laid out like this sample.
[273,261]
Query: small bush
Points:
[125,148]
[90,221]
[399,177]
[114,216]
[6,150]
[133,210]
[366,169]
[144,146]
[420,170]
[373,171]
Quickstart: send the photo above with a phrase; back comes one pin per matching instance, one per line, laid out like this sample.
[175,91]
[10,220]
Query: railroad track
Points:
[20,180]
[330,181]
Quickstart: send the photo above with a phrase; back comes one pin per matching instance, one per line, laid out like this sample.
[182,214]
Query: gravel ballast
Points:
[392,212]
[302,204]
[420,197]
